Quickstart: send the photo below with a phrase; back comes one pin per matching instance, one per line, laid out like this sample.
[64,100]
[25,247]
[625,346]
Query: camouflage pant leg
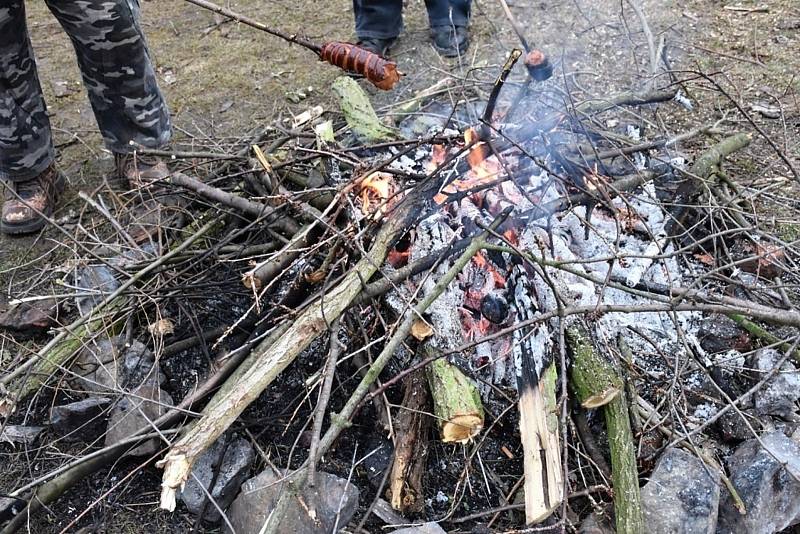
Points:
[25,144]
[116,71]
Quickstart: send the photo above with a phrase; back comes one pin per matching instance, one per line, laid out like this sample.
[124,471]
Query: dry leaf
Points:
[421,330]
[162,327]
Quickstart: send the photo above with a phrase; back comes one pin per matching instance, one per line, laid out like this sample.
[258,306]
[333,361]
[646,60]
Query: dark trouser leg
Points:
[116,71]
[26,148]
[448,12]
[378,19]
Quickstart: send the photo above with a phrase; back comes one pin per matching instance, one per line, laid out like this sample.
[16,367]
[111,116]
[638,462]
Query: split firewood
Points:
[456,401]
[410,447]
[598,385]
[538,418]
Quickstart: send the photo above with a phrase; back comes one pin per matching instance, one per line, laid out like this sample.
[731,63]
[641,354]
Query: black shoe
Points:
[450,41]
[375,45]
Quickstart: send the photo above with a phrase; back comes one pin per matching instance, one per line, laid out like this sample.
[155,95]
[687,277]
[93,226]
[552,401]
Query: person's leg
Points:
[117,71]
[448,21]
[448,12]
[31,183]
[378,19]
[26,147]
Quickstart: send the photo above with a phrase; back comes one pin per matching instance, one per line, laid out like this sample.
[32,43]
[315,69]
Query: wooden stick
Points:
[410,446]
[293,38]
[268,360]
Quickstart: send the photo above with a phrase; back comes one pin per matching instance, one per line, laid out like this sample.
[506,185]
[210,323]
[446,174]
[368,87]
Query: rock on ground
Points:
[20,434]
[681,497]
[333,498]
[107,365]
[80,420]
[425,528]
[231,463]
[135,411]
[779,395]
[770,491]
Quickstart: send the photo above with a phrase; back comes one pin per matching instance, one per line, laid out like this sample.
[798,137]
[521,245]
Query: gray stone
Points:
[135,411]
[597,524]
[425,528]
[97,281]
[733,427]
[779,395]
[83,419]
[19,434]
[107,365]
[334,499]
[682,495]
[767,482]
[232,469]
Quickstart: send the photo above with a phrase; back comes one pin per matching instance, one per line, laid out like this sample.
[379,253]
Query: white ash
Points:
[433,235]
[704,412]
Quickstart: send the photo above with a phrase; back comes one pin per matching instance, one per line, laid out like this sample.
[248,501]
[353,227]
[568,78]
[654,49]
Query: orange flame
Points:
[483,168]
[376,189]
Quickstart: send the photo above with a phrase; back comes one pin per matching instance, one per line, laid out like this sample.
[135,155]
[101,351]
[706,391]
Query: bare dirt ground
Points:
[222,80]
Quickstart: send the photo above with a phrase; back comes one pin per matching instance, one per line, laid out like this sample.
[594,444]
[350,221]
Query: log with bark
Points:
[456,401]
[597,384]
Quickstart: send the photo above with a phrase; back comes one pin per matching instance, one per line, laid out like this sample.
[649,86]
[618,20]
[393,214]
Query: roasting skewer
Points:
[379,71]
[539,67]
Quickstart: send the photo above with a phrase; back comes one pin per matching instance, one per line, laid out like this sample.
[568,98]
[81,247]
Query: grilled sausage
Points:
[381,72]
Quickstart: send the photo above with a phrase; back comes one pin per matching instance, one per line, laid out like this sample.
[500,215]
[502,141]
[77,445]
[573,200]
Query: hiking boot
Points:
[137,171]
[26,204]
[375,45]
[450,41]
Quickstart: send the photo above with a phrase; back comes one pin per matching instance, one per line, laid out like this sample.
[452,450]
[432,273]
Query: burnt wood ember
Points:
[532,350]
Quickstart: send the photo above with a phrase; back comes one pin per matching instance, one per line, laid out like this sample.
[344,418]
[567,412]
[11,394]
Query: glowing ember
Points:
[376,190]
[438,154]
[483,168]
[481,262]
[398,258]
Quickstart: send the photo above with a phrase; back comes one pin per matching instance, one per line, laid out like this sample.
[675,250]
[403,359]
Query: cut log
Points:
[597,384]
[456,401]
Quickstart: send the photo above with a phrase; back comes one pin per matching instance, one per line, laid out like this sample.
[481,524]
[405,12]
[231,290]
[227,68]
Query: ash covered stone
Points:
[780,394]
[681,496]
[231,462]
[766,479]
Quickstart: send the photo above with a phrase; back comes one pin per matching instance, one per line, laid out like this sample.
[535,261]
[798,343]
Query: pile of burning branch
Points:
[528,293]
